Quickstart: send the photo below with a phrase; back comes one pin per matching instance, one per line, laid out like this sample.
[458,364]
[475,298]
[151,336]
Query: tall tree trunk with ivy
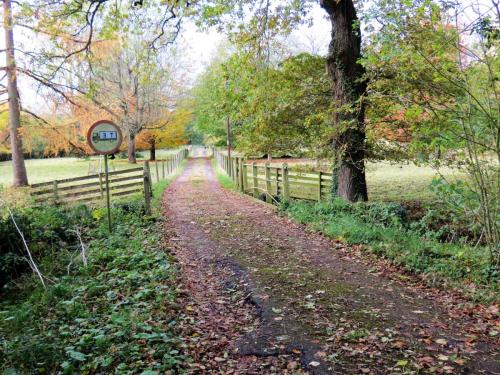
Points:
[18,166]
[349,180]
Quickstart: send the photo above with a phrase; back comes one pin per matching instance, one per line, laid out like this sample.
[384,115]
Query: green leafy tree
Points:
[252,24]
[273,110]
[444,78]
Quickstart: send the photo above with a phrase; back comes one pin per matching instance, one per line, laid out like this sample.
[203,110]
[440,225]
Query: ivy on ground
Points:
[115,315]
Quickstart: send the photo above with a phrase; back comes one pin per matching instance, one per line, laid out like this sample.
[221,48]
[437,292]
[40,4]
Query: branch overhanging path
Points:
[262,295]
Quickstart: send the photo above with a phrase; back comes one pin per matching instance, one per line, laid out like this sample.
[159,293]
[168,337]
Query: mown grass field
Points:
[387,181]
[42,170]
[402,182]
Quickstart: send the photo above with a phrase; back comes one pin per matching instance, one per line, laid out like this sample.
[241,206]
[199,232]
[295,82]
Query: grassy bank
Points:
[385,231]
[115,314]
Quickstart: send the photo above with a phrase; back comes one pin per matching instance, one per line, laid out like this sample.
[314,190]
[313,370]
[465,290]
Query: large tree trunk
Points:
[131,148]
[18,166]
[349,180]
[152,150]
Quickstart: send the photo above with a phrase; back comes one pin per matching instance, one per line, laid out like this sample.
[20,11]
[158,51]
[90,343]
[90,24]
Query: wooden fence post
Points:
[255,180]
[157,173]
[236,173]
[320,175]
[234,166]
[245,176]
[147,188]
[286,183]
[277,175]
[268,183]
[163,168]
[241,170]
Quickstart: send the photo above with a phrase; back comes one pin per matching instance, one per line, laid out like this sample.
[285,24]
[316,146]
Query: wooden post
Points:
[277,181]
[245,176]
[56,191]
[268,184]
[320,174]
[241,170]
[236,172]
[163,168]
[157,173]
[286,183]
[234,165]
[147,189]
[255,180]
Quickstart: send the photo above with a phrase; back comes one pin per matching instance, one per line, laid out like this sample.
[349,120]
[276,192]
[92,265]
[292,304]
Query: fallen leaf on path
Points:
[441,342]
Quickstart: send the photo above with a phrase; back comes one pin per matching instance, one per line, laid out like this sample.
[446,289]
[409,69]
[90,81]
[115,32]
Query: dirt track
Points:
[264,296]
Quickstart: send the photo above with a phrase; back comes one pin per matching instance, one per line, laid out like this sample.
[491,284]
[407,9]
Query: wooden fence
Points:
[121,182]
[272,182]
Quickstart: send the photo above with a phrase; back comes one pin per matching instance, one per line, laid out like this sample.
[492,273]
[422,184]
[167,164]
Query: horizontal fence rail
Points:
[274,182]
[121,182]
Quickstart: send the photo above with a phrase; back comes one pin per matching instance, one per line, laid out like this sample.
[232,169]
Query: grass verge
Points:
[382,229]
[222,177]
[116,314]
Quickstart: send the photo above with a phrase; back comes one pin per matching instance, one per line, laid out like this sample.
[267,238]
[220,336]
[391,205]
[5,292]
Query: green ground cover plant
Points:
[115,314]
[385,230]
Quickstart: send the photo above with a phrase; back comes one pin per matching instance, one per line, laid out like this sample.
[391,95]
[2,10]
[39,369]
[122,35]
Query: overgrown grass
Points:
[117,314]
[383,229]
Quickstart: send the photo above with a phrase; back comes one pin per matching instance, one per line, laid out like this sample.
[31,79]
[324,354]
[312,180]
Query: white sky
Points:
[198,48]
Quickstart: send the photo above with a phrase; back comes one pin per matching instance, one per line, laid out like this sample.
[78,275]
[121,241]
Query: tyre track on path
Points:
[264,296]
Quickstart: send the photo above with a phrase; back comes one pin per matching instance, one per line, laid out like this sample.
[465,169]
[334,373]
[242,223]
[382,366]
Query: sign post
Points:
[104,138]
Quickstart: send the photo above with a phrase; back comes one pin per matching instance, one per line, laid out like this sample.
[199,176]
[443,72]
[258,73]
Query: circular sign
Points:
[104,137]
